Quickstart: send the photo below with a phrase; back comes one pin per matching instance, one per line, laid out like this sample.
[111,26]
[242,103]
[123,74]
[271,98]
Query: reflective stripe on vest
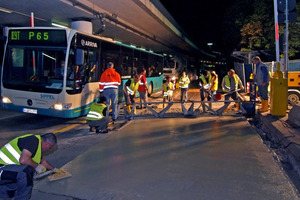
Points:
[10,153]
[94,115]
[184,82]
[107,85]
[166,91]
[227,83]
[131,92]
[96,111]
[140,82]
[132,88]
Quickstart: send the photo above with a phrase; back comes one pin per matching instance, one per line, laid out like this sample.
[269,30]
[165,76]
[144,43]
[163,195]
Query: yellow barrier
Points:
[278,94]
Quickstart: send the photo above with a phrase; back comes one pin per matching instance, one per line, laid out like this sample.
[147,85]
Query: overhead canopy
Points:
[142,23]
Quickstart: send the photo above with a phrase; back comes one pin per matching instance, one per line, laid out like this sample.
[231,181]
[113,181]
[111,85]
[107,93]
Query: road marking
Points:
[68,127]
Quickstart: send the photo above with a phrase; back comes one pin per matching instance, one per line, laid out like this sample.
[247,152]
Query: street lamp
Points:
[209,44]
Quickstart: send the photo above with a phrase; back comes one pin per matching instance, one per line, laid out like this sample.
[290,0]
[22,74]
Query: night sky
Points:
[201,20]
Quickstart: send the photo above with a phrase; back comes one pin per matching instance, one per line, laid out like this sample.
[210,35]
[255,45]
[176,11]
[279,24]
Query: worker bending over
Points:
[130,90]
[230,85]
[19,159]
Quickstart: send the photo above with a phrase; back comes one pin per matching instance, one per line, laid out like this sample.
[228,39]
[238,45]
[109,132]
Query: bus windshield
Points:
[34,69]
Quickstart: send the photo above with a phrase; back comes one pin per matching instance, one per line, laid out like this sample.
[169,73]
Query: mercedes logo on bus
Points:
[29,102]
[82,42]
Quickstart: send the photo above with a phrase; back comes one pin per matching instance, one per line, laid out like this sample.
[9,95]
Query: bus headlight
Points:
[62,106]
[6,100]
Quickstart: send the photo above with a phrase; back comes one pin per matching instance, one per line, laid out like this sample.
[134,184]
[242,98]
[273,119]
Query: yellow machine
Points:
[294,87]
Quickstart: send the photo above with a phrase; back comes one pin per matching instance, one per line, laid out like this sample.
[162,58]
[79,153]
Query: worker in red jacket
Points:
[108,87]
[143,87]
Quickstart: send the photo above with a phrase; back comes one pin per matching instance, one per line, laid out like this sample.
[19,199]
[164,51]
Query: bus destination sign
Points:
[38,37]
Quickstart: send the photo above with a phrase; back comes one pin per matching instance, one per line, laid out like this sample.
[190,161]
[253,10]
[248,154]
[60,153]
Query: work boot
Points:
[128,109]
[264,105]
[237,105]
[134,112]
[226,110]
[101,131]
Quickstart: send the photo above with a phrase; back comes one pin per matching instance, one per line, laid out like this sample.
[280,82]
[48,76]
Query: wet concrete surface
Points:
[202,158]
[209,157]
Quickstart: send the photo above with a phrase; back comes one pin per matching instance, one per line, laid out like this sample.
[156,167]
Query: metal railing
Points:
[181,109]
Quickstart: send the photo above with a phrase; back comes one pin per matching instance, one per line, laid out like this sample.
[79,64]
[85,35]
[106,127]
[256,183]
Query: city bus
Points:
[55,71]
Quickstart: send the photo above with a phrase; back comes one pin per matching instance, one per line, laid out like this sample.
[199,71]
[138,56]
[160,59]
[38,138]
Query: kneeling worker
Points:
[19,159]
[97,116]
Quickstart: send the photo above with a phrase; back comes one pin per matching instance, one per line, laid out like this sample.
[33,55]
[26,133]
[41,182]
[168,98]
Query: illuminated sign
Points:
[86,41]
[38,37]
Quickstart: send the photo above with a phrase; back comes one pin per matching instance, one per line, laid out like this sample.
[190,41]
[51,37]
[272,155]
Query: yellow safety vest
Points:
[168,92]
[184,82]
[10,154]
[214,84]
[132,88]
[204,79]
[96,111]
[227,82]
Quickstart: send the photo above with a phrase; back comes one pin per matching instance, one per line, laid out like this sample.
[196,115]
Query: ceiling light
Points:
[5,10]
[58,25]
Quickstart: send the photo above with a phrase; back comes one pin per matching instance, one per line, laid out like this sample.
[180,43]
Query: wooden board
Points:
[58,176]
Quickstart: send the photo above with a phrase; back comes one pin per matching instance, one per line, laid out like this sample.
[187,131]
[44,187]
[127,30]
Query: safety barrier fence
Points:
[156,110]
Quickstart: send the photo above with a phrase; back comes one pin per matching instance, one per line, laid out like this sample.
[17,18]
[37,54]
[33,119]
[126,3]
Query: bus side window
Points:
[90,73]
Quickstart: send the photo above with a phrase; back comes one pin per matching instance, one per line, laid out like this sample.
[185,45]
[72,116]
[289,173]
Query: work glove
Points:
[40,169]
[58,171]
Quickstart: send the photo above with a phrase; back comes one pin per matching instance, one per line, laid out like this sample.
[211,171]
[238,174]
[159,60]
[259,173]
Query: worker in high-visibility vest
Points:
[230,84]
[184,82]
[214,85]
[96,118]
[130,90]
[19,160]
[205,85]
[168,90]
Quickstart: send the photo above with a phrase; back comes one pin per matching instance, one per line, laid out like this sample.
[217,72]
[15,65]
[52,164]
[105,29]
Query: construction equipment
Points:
[53,175]
[57,176]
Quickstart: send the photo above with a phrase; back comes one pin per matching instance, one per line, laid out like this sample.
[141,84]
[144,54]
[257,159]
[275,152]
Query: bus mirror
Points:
[79,57]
